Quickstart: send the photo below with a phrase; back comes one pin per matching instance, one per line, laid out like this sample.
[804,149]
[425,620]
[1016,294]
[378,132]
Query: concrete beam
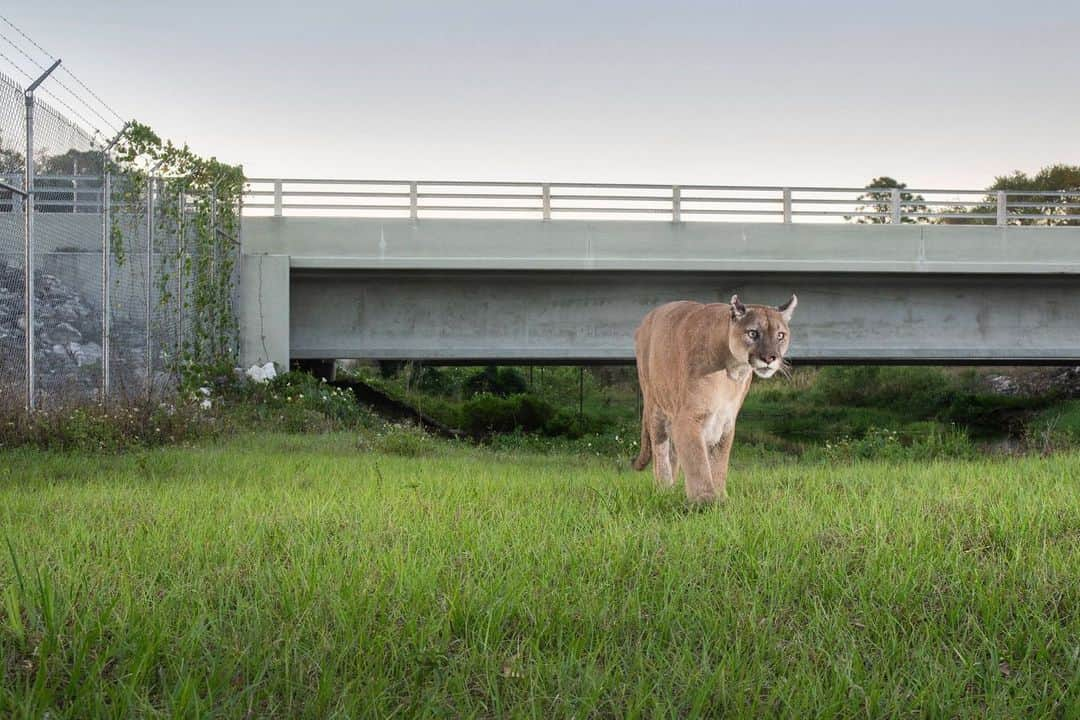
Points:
[590,317]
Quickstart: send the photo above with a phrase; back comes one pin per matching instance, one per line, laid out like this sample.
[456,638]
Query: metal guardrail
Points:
[55,193]
[281,197]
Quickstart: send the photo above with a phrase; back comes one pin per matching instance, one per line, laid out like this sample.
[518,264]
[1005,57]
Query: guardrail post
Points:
[414,205]
[787,206]
[894,203]
[545,191]
[676,204]
[1002,208]
[277,198]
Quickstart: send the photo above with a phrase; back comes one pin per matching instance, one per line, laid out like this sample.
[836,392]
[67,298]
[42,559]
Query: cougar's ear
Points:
[788,308]
[737,308]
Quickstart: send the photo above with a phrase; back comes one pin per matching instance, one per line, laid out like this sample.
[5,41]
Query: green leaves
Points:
[198,200]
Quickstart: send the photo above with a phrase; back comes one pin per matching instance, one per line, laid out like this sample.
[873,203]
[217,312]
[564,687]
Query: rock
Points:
[87,354]
[64,333]
[263,373]
[1003,384]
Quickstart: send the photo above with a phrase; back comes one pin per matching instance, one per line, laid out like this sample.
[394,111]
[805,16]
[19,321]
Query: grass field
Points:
[304,576]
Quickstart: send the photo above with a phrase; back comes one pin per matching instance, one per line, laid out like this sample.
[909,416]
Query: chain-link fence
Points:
[110,291]
[12,240]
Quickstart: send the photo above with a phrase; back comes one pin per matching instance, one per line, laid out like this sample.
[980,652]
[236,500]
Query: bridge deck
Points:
[572,291]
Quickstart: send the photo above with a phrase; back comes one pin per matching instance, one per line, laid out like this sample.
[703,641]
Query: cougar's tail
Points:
[645,455]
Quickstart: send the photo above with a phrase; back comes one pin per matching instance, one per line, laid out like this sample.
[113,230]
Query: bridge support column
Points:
[264,310]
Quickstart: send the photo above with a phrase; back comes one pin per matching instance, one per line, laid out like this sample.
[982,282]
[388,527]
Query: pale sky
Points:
[939,94]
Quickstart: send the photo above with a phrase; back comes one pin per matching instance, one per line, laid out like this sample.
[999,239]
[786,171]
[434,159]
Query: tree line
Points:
[1043,202]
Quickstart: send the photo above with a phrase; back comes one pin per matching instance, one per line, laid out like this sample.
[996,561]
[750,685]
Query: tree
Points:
[11,171]
[1037,206]
[59,176]
[878,200]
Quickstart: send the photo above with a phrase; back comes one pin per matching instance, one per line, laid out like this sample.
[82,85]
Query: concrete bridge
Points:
[534,272]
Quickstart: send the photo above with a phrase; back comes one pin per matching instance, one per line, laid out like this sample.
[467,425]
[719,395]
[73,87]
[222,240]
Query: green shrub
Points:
[500,381]
[486,414]
[921,390]
[96,427]
[570,424]
[293,402]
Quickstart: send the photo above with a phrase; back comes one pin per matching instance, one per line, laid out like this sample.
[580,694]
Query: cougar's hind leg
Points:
[661,449]
[645,453]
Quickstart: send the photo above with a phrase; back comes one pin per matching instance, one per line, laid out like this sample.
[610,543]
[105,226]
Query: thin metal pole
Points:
[581,391]
[28,228]
[180,278]
[149,283]
[787,206]
[676,204]
[234,303]
[213,264]
[106,260]
[28,250]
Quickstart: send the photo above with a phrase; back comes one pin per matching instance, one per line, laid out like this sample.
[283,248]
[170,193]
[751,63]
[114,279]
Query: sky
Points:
[938,94]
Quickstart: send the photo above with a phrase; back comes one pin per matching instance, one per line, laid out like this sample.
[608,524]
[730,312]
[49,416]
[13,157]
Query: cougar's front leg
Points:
[718,462]
[694,459]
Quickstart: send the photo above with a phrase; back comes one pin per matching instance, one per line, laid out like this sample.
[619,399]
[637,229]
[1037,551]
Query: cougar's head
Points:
[759,334]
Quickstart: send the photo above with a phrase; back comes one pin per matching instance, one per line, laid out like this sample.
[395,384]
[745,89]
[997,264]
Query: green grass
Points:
[304,576]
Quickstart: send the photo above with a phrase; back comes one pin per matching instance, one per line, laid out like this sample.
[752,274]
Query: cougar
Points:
[695,363]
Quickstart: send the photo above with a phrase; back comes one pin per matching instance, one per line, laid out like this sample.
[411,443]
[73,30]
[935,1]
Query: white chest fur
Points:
[724,394]
[719,423]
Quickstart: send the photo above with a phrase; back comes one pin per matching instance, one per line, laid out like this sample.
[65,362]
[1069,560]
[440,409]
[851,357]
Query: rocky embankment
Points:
[67,331]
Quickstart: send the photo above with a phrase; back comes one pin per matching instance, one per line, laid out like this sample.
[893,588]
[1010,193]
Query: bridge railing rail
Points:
[468,199]
[281,197]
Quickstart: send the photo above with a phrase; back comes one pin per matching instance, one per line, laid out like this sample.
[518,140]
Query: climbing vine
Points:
[195,201]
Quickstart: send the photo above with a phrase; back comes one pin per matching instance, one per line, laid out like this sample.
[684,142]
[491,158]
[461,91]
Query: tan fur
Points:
[695,363]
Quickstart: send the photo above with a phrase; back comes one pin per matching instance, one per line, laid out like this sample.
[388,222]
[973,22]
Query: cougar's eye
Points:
[753,334]
[780,335]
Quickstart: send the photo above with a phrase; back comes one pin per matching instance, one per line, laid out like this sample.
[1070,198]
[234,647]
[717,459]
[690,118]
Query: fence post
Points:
[28,249]
[894,203]
[676,204]
[149,283]
[182,207]
[28,229]
[106,249]
[414,206]
[1002,208]
[545,191]
[787,206]
[214,263]
[277,198]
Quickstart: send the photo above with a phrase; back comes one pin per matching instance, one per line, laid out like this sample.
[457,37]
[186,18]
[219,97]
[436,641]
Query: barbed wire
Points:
[72,93]
[55,98]
[64,69]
